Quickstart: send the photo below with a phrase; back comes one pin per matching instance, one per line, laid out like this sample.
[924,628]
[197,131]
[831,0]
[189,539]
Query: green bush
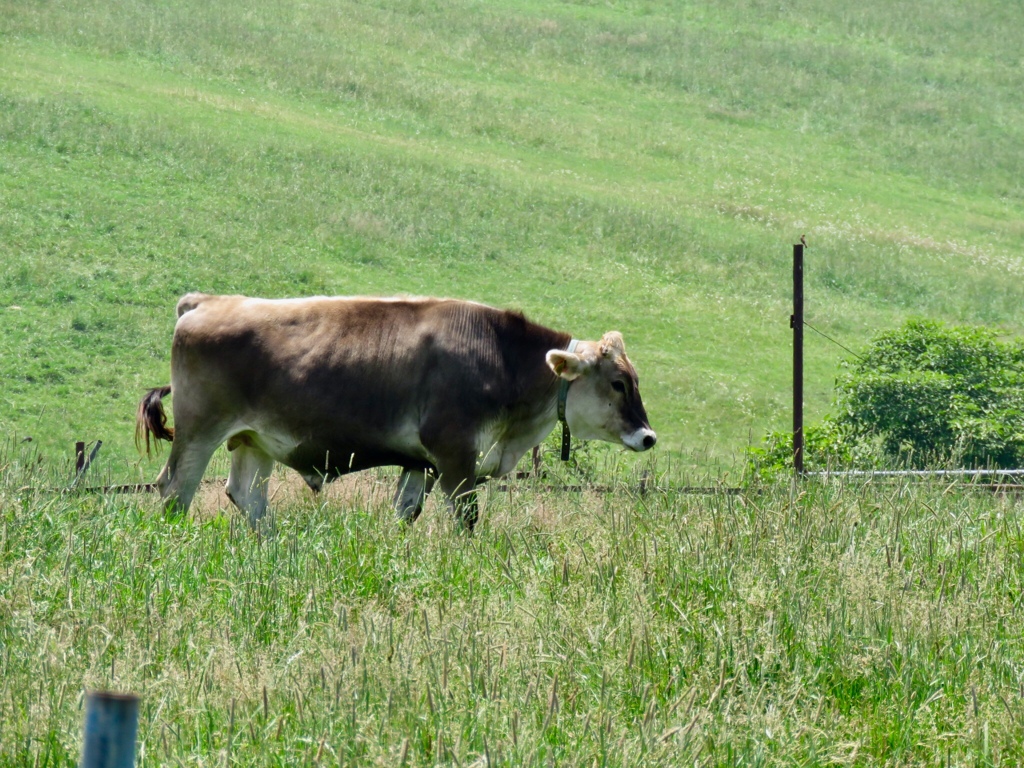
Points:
[827,445]
[934,394]
[922,395]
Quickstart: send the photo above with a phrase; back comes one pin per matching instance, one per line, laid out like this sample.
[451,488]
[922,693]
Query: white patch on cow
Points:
[501,445]
[488,451]
[275,443]
[589,415]
[640,440]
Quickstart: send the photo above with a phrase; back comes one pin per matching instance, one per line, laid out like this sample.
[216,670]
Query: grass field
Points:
[636,165]
[876,625]
[641,166]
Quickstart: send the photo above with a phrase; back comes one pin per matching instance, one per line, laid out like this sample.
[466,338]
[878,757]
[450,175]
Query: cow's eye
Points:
[619,387]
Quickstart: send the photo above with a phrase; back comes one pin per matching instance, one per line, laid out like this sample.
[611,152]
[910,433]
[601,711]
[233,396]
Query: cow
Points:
[449,391]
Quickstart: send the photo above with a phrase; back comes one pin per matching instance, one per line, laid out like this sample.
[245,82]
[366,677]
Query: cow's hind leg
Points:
[413,487]
[183,472]
[249,479]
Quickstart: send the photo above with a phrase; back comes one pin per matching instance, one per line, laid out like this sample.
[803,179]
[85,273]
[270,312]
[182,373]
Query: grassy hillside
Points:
[642,166]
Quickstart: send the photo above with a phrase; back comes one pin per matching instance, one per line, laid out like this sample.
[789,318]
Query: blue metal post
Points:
[111,722]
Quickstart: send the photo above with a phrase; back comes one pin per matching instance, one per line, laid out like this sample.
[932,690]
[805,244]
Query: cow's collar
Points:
[563,395]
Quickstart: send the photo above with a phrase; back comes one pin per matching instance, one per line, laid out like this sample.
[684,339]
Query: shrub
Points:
[936,394]
[922,395]
[827,445]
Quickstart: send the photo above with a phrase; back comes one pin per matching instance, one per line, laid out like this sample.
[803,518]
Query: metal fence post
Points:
[111,722]
[796,322]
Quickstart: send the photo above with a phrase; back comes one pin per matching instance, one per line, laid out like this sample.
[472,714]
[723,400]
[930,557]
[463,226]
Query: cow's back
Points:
[288,349]
[342,372]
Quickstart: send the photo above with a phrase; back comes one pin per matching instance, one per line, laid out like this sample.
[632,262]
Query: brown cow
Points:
[444,389]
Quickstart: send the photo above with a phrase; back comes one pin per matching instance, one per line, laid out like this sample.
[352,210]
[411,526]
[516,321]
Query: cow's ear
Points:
[566,365]
[612,345]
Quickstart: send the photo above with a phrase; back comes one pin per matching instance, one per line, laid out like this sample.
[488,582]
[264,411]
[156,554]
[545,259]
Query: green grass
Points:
[875,625]
[640,166]
[636,165]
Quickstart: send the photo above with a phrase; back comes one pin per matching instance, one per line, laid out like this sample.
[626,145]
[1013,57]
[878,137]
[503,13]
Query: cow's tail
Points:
[152,420]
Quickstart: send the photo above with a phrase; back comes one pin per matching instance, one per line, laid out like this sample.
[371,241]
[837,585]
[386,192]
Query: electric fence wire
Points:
[825,335]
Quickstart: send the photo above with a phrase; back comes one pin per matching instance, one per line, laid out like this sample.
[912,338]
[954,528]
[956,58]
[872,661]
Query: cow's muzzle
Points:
[641,440]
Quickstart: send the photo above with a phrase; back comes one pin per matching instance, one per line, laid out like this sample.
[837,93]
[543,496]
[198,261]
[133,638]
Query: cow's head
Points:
[603,401]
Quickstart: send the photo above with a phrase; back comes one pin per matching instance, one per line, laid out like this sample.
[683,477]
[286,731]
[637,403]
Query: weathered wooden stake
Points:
[111,722]
[82,463]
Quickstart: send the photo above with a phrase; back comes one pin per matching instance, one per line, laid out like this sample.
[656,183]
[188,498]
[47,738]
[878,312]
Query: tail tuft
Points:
[152,420]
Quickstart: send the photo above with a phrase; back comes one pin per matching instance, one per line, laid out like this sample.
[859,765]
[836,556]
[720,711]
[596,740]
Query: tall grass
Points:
[874,624]
[637,165]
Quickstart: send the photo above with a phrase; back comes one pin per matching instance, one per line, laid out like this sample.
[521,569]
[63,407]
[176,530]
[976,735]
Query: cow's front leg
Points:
[466,508]
[458,481]
[413,487]
[249,480]
[452,447]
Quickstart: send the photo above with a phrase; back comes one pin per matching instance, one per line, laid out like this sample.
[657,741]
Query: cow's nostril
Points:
[649,441]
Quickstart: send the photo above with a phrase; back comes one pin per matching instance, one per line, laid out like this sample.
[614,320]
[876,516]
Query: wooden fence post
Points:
[111,722]
[82,463]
